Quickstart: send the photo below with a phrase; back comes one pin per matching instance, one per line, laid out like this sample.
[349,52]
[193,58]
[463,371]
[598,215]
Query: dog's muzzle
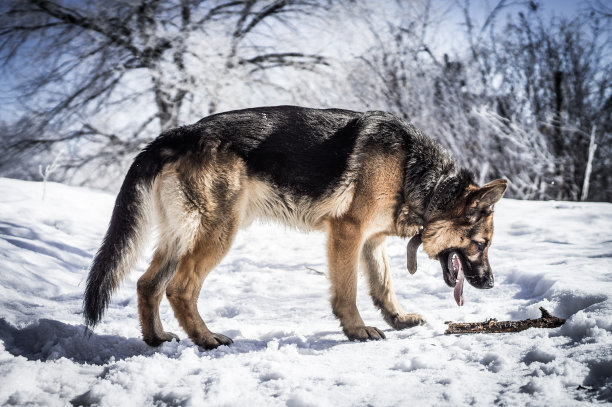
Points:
[456,268]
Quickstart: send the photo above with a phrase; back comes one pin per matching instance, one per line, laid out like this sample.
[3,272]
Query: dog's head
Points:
[459,235]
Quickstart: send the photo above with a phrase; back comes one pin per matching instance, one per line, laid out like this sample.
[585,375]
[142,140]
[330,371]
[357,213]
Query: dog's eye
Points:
[481,246]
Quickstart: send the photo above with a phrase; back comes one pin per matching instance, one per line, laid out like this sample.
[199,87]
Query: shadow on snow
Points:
[50,340]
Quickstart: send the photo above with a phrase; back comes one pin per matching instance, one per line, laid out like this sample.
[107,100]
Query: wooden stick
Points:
[494,326]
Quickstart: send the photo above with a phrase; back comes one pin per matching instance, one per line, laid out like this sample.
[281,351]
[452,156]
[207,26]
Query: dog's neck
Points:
[437,196]
[446,191]
[412,217]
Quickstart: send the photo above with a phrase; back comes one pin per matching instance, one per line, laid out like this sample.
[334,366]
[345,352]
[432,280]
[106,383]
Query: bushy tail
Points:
[124,238]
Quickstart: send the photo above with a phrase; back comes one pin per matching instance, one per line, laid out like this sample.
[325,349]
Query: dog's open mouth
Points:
[453,265]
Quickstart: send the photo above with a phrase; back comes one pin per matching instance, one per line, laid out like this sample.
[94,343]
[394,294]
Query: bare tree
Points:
[520,103]
[148,65]
[558,75]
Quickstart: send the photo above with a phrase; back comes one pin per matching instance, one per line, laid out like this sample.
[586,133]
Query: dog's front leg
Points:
[343,248]
[377,270]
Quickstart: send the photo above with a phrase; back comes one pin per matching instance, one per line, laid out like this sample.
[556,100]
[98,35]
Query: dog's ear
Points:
[492,192]
[411,253]
[481,201]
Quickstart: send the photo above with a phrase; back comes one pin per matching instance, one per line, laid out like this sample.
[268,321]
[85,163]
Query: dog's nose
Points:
[490,283]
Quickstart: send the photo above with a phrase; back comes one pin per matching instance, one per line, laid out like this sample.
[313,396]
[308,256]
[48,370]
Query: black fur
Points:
[447,193]
[121,231]
[302,151]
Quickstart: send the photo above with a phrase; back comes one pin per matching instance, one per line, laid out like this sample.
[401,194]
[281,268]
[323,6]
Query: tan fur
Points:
[453,231]
[263,202]
[184,288]
[198,212]
[360,233]
[445,233]
[150,294]
[377,270]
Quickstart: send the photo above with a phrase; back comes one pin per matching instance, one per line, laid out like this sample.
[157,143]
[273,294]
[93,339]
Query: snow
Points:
[271,295]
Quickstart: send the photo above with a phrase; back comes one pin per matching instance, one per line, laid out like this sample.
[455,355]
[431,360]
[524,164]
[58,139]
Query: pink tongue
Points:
[459,283]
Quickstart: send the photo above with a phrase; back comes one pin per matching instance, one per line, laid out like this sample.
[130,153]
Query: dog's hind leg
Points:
[151,286]
[376,268]
[184,288]
[343,249]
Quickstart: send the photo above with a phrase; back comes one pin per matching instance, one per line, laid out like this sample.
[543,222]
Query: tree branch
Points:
[72,17]
[494,326]
[295,59]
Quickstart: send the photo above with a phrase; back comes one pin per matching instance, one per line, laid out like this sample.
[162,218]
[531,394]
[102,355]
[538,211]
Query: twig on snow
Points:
[494,326]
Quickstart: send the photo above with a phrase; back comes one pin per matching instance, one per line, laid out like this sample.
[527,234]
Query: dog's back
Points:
[302,151]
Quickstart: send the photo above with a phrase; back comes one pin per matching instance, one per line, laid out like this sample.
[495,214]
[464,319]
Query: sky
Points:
[452,39]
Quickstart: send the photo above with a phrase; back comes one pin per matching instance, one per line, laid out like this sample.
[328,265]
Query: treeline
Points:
[528,96]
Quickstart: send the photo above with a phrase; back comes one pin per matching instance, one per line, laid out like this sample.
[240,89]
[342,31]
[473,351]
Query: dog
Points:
[358,176]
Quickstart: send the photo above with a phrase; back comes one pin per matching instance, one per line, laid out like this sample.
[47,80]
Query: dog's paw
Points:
[213,341]
[160,338]
[364,333]
[406,321]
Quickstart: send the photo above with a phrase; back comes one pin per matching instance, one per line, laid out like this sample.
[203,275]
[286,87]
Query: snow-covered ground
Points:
[270,294]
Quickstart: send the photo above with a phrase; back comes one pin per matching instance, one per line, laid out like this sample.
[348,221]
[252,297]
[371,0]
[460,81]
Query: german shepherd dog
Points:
[358,176]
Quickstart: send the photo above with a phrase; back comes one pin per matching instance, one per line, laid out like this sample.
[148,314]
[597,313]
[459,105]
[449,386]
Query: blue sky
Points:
[452,37]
